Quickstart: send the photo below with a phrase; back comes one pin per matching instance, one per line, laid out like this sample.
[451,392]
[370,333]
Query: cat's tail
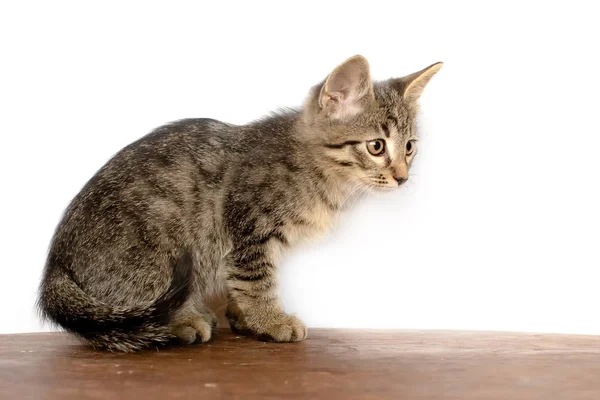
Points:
[106,327]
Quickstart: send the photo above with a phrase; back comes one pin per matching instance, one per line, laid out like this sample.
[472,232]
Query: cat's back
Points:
[172,154]
[194,137]
[195,143]
[148,182]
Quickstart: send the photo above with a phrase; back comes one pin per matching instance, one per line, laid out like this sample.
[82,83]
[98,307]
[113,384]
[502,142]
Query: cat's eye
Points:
[376,147]
[410,147]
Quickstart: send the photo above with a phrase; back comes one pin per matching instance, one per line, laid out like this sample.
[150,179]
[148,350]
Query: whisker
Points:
[352,190]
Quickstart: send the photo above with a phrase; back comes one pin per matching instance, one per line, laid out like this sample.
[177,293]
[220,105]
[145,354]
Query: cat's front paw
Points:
[288,328]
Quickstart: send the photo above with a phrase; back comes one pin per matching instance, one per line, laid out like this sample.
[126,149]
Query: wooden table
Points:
[331,364]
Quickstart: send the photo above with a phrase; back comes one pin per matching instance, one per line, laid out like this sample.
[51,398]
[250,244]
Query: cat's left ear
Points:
[411,86]
[348,89]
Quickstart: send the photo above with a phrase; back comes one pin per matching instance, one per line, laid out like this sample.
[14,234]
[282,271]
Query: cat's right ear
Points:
[411,86]
[348,89]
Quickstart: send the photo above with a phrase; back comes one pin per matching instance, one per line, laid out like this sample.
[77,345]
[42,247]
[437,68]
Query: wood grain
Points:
[331,364]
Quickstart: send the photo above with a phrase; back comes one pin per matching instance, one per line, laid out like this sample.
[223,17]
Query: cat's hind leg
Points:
[194,324]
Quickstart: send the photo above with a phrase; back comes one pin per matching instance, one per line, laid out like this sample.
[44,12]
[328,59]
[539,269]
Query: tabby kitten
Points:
[199,206]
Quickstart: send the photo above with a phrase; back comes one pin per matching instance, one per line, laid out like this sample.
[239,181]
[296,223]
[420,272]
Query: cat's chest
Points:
[309,223]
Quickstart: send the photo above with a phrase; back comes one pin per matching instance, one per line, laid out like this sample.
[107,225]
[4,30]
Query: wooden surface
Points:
[331,364]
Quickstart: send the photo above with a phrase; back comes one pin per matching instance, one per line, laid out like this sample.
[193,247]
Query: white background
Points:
[499,226]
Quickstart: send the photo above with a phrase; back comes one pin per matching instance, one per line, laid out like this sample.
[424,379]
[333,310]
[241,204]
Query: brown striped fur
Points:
[199,206]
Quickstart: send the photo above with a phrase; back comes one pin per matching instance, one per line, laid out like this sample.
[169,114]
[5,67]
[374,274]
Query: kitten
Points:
[199,206]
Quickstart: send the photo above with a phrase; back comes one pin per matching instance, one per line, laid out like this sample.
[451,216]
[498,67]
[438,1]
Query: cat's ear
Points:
[411,86]
[348,89]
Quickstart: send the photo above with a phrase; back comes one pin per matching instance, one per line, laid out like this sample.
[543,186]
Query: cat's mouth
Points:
[385,188]
[383,184]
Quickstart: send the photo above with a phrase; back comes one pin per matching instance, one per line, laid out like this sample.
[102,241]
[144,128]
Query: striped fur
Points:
[199,207]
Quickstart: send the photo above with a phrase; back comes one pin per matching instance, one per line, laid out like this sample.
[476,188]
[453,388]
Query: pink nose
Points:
[400,173]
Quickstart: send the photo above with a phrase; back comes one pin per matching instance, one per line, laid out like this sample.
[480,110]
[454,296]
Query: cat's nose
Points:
[400,173]
[400,180]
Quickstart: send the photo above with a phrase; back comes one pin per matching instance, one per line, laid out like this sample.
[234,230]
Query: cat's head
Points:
[366,129]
